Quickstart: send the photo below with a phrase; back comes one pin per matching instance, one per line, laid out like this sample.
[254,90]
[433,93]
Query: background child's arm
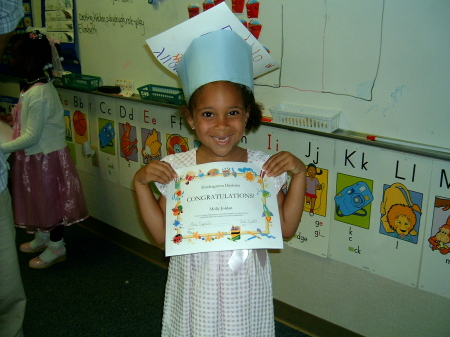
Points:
[291,204]
[153,211]
[30,133]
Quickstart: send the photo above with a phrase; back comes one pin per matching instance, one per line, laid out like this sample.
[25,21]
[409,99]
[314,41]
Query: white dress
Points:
[204,297]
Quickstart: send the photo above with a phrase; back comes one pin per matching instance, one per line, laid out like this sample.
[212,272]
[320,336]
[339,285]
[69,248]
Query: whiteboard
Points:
[383,63]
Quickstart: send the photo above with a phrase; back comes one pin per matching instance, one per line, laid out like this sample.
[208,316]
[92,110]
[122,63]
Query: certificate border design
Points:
[235,233]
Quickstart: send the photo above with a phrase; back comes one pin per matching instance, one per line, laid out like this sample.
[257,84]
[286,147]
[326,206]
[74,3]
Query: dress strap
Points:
[237,260]
[239,257]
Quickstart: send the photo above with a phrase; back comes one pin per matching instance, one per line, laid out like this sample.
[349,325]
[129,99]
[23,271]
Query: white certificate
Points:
[221,206]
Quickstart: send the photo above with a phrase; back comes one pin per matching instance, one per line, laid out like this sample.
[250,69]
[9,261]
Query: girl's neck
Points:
[204,155]
[44,79]
[27,84]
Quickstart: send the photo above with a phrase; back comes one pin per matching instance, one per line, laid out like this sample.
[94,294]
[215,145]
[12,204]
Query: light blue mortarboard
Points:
[221,55]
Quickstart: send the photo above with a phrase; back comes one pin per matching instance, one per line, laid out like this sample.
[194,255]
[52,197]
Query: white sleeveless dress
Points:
[204,297]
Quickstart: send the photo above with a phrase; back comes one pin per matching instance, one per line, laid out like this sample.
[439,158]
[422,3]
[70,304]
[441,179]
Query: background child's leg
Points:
[12,295]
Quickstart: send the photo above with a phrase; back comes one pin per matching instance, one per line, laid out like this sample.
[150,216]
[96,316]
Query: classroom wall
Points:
[347,296]
[361,292]
[383,63]
[397,91]
[342,292]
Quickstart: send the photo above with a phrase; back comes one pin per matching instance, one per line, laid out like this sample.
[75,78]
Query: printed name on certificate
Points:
[221,206]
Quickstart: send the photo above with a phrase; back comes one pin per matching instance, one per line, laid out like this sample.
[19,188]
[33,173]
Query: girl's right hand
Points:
[155,171]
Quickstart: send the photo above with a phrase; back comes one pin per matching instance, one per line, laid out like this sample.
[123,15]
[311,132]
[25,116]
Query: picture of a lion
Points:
[397,211]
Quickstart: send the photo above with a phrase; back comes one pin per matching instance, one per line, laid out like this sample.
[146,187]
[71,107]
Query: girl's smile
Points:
[219,119]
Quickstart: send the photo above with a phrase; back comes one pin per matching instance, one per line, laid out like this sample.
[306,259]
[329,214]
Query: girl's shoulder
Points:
[181,159]
[257,156]
[260,157]
[188,158]
[178,160]
[40,90]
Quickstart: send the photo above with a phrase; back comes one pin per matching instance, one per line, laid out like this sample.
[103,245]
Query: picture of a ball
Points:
[79,123]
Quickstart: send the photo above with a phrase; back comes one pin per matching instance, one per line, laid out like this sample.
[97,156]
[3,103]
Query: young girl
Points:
[312,185]
[203,295]
[46,189]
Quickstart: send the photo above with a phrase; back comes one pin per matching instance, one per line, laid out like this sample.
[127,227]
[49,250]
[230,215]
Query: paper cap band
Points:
[221,55]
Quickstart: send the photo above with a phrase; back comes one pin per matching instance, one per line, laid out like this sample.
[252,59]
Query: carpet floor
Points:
[100,290]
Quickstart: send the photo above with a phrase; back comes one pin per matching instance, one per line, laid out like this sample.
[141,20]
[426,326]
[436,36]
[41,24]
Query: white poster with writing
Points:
[169,46]
[129,141]
[221,206]
[399,227]
[107,138]
[317,153]
[355,211]
[76,109]
[435,266]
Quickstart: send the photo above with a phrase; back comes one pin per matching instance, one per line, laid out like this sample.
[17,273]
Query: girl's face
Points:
[311,172]
[219,119]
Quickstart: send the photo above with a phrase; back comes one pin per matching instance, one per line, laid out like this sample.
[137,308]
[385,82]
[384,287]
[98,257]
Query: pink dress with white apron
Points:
[46,188]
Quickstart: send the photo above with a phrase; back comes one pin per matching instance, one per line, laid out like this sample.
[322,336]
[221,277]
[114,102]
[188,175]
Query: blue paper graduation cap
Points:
[221,55]
[211,46]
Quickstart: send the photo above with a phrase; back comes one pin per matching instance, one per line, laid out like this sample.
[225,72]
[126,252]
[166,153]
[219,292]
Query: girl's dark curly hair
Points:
[254,108]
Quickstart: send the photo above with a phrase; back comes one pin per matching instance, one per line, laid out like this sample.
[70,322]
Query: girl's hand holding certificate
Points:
[283,162]
[156,171]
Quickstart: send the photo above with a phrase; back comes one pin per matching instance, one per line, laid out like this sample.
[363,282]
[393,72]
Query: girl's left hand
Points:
[283,162]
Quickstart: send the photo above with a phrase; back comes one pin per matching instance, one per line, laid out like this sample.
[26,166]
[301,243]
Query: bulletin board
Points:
[384,64]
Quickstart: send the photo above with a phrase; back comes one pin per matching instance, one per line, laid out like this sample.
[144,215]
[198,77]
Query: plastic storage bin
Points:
[325,120]
[80,81]
[158,93]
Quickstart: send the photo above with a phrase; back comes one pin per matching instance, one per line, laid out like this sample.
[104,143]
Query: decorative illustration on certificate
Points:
[221,206]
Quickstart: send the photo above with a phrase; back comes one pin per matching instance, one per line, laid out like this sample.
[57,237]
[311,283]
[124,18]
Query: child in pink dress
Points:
[204,296]
[46,189]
